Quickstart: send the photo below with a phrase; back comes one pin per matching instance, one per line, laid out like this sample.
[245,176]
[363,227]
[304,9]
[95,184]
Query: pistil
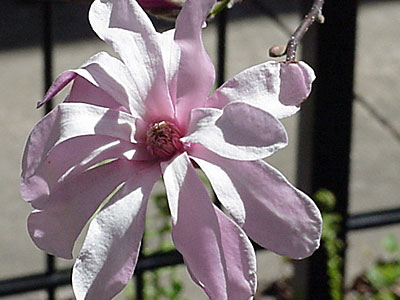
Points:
[163,139]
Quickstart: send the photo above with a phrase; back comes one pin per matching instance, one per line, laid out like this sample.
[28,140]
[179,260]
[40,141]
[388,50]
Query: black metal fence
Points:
[325,150]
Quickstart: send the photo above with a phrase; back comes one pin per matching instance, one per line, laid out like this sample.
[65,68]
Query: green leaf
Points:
[384,275]
[325,199]
[218,7]
[385,295]
[390,243]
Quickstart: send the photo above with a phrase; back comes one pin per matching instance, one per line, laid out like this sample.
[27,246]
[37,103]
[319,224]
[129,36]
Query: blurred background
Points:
[358,44]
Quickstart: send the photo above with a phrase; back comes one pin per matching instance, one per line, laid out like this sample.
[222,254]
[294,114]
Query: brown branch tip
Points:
[315,14]
[290,48]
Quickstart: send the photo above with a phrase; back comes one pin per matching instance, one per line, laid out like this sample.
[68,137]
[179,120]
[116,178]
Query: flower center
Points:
[163,139]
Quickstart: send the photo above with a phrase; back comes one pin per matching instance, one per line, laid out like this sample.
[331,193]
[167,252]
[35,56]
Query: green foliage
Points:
[159,231]
[382,276]
[390,244]
[385,295]
[163,284]
[325,199]
[382,279]
[218,7]
[385,275]
[333,245]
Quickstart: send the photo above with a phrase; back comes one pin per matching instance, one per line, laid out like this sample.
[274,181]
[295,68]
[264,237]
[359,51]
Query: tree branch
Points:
[314,14]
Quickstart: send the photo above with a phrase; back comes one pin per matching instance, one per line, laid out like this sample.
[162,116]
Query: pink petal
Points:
[277,215]
[70,120]
[146,64]
[65,161]
[196,71]
[109,254]
[296,82]
[240,259]
[219,257]
[258,86]
[239,131]
[103,71]
[124,14]
[61,82]
[82,91]
[171,56]
[221,182]
[111,75]
[125,26]
[56,226]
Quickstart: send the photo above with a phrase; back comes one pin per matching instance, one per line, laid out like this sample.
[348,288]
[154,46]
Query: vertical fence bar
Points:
[47,49]
[325,129]
[139,279]
[221,46]
[139,286]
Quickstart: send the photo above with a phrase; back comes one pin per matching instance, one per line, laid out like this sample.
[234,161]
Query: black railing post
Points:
[222,20]
[139,276]
[139,280]
[47,48]
[325,128]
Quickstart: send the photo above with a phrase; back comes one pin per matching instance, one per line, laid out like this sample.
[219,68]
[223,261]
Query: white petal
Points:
[111,75]
[78,119]
[110,251]
[219,256]
[278,216]
[258,86]
[171,55]
[72,120]
[125,26]
[239,131]
[196,72]
[55,227]
[225,189]
[124,14]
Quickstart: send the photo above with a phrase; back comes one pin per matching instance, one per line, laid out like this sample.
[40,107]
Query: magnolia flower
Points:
[127,122]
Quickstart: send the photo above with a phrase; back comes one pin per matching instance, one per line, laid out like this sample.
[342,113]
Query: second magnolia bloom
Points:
[170,8]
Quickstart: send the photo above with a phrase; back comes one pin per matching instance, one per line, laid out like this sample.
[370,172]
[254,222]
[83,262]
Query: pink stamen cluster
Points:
[163,139]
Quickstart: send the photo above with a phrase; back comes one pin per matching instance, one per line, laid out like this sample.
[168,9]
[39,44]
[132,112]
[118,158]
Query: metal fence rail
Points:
[324,149]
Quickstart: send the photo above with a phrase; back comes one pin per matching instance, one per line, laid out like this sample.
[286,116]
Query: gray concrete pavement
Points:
[375,158]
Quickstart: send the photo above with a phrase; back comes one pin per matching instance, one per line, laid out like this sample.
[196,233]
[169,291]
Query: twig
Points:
[290,49]
[314,14]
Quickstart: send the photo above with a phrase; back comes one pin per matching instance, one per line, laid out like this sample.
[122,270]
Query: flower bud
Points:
[277,51]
